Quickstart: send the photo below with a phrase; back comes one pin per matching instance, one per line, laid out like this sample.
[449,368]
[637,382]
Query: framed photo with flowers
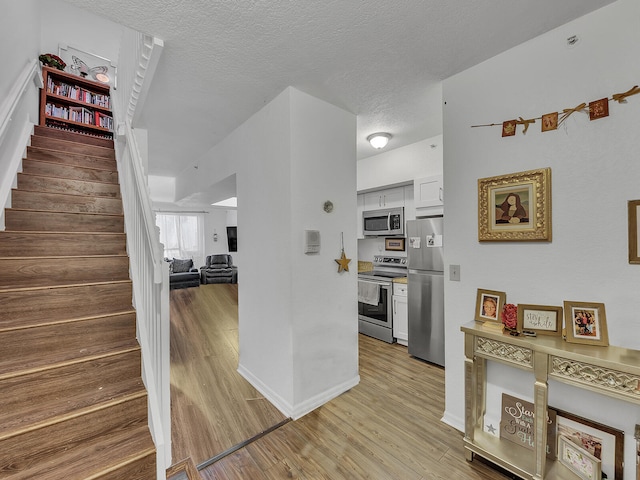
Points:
[602,441]
[586,323]
[515,207]
[489,305]
[542,319]
[578,460]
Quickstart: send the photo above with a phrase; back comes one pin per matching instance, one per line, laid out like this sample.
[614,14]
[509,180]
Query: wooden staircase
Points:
[72,401]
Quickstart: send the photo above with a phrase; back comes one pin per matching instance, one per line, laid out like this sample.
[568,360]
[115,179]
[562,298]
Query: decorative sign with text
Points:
[542,319]
[518,426]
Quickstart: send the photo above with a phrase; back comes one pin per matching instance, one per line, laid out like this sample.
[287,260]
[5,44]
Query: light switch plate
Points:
[454,273]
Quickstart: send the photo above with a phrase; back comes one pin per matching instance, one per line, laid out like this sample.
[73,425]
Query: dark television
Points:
[232,238]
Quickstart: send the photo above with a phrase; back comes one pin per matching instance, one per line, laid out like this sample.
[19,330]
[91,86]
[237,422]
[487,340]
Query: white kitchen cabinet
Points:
[409,205]
[400,314]
[387,198]
[428,195]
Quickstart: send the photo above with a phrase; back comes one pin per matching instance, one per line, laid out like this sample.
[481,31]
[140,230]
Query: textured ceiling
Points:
[381,60]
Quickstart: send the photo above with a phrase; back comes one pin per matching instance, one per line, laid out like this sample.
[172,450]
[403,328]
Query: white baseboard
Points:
[317,401]
[277,401]
[453,421]
[299,410]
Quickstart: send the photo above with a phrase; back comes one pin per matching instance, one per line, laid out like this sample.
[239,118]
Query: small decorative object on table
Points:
[509,316]
[51,60]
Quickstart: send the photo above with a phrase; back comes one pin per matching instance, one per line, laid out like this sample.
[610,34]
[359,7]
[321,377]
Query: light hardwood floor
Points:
[212,406]
[387,427]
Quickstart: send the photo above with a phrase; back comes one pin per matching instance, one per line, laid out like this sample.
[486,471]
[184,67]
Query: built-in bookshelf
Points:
[75,104]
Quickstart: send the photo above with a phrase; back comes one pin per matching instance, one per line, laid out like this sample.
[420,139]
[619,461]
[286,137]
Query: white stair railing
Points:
[18,114]
[150,276]
[149,273]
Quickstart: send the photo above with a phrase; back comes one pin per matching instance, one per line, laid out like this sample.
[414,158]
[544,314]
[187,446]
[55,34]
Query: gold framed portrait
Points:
[515,207]
[634,231]
[489,305]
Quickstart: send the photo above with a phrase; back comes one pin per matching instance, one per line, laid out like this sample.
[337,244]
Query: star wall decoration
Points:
[343,263]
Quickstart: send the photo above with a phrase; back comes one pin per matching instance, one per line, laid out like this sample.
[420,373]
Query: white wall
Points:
[71,26]
[20,36]
[401,165]
[298,320]
[324,313]
[595,171]
[162,189]
[216,222]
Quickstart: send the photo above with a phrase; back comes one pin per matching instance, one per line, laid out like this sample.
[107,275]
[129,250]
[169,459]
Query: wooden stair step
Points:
[83,446]
[72,147]
[45,131]
[70,158]
[38,183]
[60,391]
[42,244]
[59,202]
[60,170]
[52,271]
[30,349]
[42,221]
[183,470]
[35,306]
[141,468]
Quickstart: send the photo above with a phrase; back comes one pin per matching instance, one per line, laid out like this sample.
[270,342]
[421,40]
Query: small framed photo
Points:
[634,231]
[541,319]
[578,460]
[515,207]
[394,244]
[489,304]
[586,323]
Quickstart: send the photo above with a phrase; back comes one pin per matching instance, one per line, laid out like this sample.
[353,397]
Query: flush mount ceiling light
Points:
[379,140]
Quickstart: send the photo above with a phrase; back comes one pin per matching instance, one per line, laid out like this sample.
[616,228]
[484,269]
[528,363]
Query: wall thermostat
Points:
[311,241]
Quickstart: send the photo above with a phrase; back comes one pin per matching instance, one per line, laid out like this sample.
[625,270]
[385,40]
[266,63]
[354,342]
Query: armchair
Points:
[219,269]
[182,274]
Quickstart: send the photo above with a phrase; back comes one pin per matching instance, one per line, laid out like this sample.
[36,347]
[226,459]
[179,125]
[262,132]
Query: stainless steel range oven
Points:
[375,290]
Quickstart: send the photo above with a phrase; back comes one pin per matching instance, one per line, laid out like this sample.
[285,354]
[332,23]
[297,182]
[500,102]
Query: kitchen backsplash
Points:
[370,247]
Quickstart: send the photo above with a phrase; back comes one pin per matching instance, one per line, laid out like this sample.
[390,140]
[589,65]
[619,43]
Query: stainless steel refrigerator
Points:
[426,289]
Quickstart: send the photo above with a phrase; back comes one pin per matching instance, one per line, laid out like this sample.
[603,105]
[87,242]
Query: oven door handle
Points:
[376,282]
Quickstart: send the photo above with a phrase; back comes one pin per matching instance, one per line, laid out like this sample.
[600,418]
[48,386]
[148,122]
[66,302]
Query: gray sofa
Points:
[219,269]
[182,274]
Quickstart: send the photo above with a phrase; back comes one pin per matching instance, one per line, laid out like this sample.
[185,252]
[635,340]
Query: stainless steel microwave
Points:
[388,221]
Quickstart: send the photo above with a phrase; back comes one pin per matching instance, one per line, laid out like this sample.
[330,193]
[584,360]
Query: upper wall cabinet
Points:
[388,198]
[428,195]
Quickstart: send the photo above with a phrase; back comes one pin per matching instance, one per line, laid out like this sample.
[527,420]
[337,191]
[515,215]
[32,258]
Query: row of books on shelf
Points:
[80,115]
[77,93]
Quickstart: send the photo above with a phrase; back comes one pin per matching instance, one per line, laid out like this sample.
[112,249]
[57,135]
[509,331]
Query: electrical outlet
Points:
[454,273]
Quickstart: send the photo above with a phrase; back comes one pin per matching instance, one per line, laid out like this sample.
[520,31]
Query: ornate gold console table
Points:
[611,371]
